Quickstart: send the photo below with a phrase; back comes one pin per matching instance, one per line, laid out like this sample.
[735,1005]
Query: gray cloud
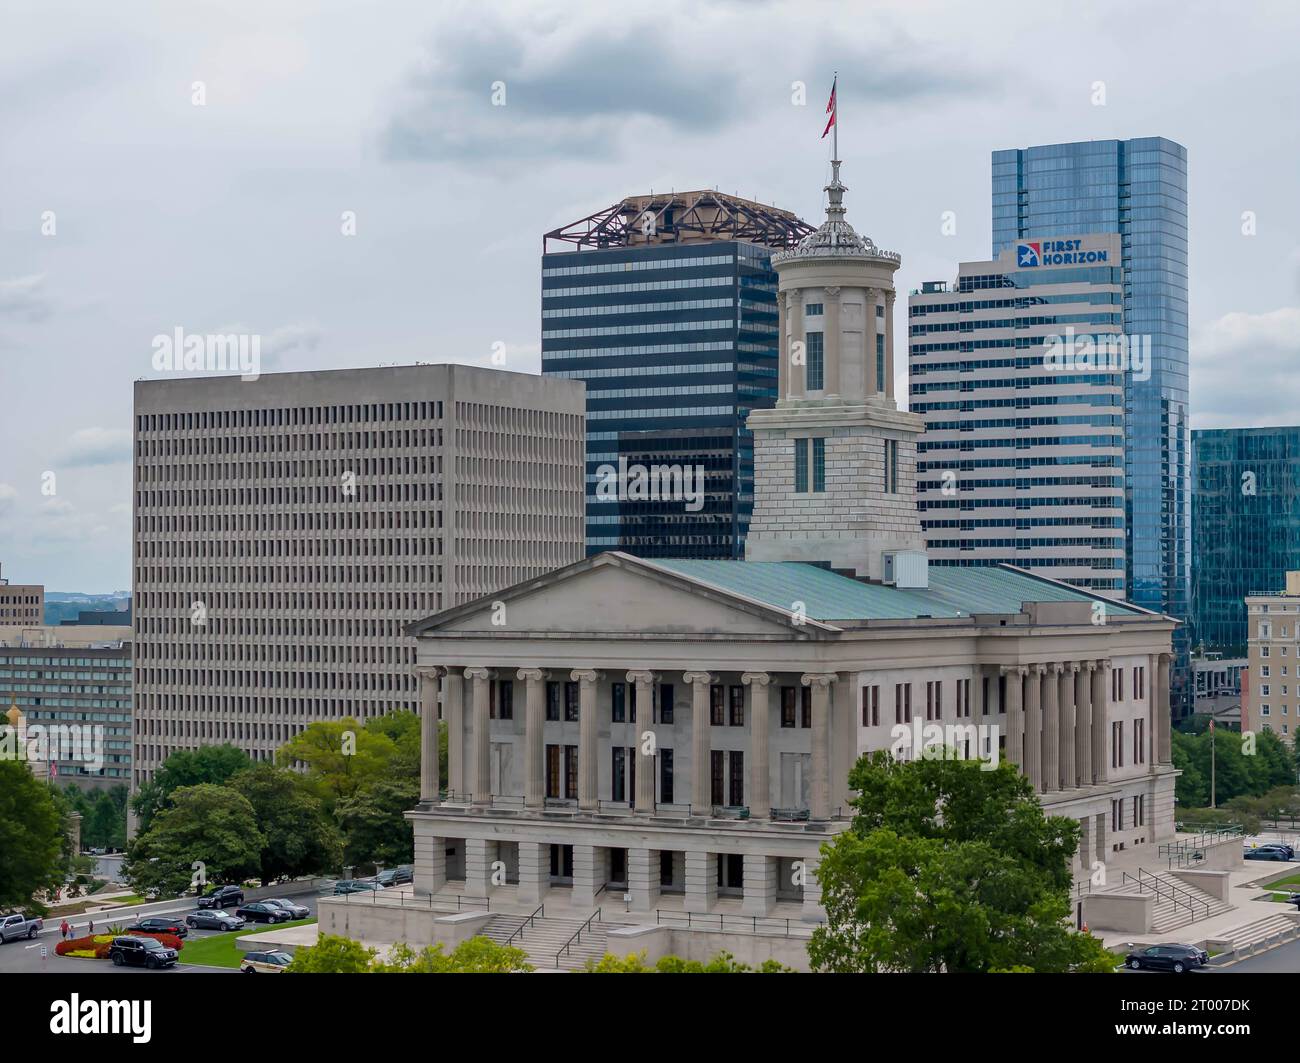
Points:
[97,446]
[1243,370]
[8,500]
[24,298]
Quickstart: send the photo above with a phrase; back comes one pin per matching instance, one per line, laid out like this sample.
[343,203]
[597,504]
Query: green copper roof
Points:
[953,592]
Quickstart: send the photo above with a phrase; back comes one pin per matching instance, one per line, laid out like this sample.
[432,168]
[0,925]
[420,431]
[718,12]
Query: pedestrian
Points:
[65,928]
[90,928]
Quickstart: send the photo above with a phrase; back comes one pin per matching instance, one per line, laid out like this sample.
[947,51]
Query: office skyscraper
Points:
[1245,527]
[1022,459]
[667,310]
[1138,189]
[288,529]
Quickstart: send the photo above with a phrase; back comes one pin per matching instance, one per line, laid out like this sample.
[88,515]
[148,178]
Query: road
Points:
[24,957]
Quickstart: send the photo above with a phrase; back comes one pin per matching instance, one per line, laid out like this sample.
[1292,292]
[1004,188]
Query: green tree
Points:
[299,838]
[34,849]
[949,867]
[722,963]
[341,757]
[374,825]
[339,955]
[186,767]
[206,827]
[332,955]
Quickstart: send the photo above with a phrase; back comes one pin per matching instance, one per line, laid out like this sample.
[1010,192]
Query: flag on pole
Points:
[830,109]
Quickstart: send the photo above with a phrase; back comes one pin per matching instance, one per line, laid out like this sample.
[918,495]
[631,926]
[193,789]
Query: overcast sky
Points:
[127,210]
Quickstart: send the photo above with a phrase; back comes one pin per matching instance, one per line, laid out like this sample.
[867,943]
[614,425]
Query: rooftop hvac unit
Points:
[907,568]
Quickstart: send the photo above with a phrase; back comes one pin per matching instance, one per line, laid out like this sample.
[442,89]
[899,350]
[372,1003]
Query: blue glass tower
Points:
[1245,527]
[1138,189]
[667,310]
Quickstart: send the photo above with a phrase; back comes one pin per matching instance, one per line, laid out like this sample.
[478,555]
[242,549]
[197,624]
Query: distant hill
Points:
[64,605]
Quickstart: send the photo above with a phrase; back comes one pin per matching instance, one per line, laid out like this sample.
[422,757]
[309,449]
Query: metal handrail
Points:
[529,921]
[577,935]
[755,924]
[1188,901]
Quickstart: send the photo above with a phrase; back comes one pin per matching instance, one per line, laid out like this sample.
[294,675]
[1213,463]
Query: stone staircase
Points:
[1177,903]
[544,937]
[1248,937]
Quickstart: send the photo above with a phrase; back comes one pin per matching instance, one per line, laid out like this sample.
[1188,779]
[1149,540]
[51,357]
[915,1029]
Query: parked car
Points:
[355,885]
[265,962]
[141,952]
[261,912]
[1263,852]
[1281,847]
[158,926]
[13,927]
[222,897]
[1176,958]
[214,919]
[296,911]
[395,876]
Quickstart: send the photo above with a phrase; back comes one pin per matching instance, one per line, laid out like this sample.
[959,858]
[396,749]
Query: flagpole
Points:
[835,132]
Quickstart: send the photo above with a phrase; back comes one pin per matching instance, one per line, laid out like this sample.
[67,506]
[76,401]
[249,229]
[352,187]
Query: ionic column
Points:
[872,295]
[1015,722]
[1083,721]
[429,782]
[760,799]
[587,771]
[1069,765]
[831,343]
[1164,711]
[889,343]
[534,729]
[1051,739]
[453,704]
[1034,727]
[783,345]
[645,760]
[820,683]
[701,792]
[1100,698]
[480,781]
[798,373]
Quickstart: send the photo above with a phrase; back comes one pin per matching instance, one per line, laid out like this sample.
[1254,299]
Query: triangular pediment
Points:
[615,593]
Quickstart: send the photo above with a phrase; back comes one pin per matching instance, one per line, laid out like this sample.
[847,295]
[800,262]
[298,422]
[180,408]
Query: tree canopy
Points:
[33,837]
[186,767]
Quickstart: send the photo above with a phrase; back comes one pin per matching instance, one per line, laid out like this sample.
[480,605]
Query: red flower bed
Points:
[170,940]
[99,944]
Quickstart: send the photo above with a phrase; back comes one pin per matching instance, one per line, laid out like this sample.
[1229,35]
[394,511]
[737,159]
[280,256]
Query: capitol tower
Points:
[835,460]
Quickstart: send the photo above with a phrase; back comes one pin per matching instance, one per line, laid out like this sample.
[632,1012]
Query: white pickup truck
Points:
[13,927]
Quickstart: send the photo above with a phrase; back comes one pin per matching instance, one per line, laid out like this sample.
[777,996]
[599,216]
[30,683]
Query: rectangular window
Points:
[737,706]
[506,699]
[891,466]
[881,384]
[902,703]
[716,770]
[618,780]
[1139,742]
[618,703]
[737,794]
[552,701]
[1117,744]
[631,774]
[1139,811]
[665,703]
[552,771]
[871,706]
[816,361]
[717,705]
[813,309]
[819,463]
[788,699]
[806,706]
[570,701]
[666,776]
[801,466]
[571,772]
[934,700]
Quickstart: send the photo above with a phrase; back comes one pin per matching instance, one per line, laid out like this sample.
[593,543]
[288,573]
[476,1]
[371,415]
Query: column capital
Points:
[1165,657]
[1103,664]
[795,295]
[641,675]
[889,296]
[585,675]
[832,291]
[532,675]
[1054,668]
[758,679]
[1072,666]
[1037,669]
[820,679]
[697,678]
[429,671]
[477,673]
[1012,669]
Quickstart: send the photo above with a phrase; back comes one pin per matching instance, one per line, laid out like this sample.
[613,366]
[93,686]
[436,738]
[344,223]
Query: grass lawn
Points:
[220,950]
[1291,884]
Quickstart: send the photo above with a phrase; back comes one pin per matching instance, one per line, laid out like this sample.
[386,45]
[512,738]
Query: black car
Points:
[141,952]
[296,911]
[158,926]
[222,897]
[395,876]
[261,912]
[1176,958]
[214,919]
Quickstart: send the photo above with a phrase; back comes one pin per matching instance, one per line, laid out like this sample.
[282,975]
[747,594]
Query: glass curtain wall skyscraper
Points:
[1138,189]
[666,308]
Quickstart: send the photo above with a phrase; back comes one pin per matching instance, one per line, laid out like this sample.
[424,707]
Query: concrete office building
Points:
[75,683]
[1270,697]
[1138,189]
[666,308]
[1245,524]
[288,530]
[680,732]
[1016,370]
[21,604]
